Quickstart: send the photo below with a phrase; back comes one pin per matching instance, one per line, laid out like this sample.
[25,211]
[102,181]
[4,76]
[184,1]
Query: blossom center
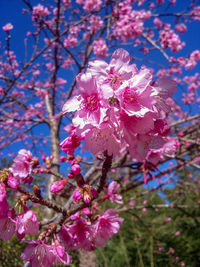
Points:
[91,103]
[130,96]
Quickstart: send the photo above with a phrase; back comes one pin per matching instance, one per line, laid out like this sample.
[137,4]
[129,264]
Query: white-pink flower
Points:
[107,225]
[22,164]
[26,223]
[7,27]
[112,195]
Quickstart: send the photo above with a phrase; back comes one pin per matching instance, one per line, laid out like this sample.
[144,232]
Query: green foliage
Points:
[156,233]
[10,253]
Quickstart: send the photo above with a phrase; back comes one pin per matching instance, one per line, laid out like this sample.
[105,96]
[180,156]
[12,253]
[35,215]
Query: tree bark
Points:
[55,151]
[87,258]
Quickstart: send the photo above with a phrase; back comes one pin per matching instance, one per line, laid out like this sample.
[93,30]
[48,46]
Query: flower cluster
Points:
[120,106]
[82,235]
[129,23]
[169,39]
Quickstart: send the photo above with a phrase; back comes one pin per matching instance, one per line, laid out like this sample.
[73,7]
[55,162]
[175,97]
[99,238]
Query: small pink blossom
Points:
[102,138]
[26,223]
[75,216]
[77,194]
[12,182]
[22,164]
[39,254]
[181,28]
[85,193]
[40,11]
[70,144]
[90,5]
[112,195]
[76,169]
[100,48]
[2,192]
[7,225]
[57,186]
[78,235]
[61,255]
[107,225]
[169,39]
[177,233]
[7,27]
[4,208]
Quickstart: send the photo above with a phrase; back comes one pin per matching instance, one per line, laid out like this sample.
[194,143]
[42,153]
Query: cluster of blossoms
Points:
[90,5]
[100,48]
[120,106]
[85,228]
[39,12]
[129,23]
[169,39]
[83,235]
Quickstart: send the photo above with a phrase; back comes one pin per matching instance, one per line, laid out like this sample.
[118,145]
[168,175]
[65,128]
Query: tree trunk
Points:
[87,258]
[55,151]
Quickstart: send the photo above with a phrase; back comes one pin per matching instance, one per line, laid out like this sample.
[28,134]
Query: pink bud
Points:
[58,186]
[77,194]
[75,216]
[86,211]
[12,182]
[70,176]
[76,169]
[63,158]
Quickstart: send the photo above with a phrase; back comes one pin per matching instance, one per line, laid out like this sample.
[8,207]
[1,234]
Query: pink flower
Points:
[76,169]
[119,106]
[129,22]
[21,166]
[7,27]
[140,146]
[70,144]
[89,193]
[71,41]
[90,5]
[164,88]
[112,75]
[171,146]
[136,96]
[102,138]
[38,254]
[77,194]
[112,195]
[107,225]
[66,237]
[75,216]
[12,182]
[58,186]
[181,28]
[85,193]
[88,104]
[96,23]
[7,225]
[169,39]
[2,192]
[196,13]
[61,255]
[86,211]
[40,11]
[3,209]
[81,235]
[26,223]
[100,48]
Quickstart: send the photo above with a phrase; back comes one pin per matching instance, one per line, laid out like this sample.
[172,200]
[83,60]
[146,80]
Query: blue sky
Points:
[11,11]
